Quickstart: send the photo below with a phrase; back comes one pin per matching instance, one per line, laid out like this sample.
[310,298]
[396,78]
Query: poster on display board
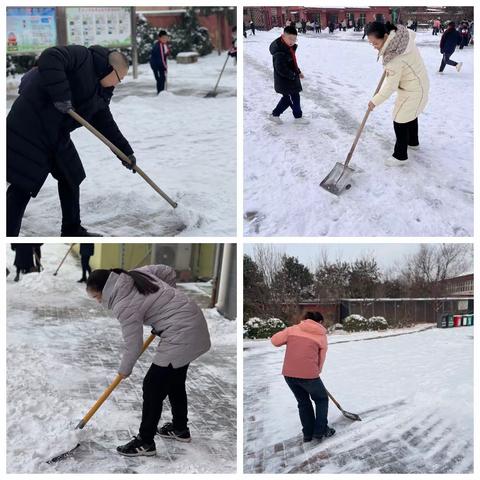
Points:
[30,29]
[106,26]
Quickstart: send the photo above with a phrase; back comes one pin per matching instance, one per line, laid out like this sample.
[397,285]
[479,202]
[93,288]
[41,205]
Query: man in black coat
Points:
[286,75]
[87,250]
[448,43]
[158,60]
[38,127]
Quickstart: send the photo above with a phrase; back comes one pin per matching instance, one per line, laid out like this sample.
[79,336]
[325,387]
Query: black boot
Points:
[167,431]
[137,447]
[329,432]
[77,231]
[82,280]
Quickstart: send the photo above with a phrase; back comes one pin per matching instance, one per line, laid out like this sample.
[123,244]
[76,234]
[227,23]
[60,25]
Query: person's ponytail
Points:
[98,278]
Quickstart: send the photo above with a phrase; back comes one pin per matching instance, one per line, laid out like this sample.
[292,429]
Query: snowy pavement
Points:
[284,164]
[414,393]
[186,143]
[62,352]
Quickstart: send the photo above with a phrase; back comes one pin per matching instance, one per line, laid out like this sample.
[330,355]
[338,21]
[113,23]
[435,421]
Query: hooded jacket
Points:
[306,349]
[38,135]
[405,74]
[286,74]
[177,320]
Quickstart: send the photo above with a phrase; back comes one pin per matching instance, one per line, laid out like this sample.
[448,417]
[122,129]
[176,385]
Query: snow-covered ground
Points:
[63,350]
[284,164]
[414,393]
[186,143]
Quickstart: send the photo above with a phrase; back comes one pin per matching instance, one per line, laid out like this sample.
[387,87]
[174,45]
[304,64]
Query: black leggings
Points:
[17,201]
[407,135]
[160,382]
[85,259]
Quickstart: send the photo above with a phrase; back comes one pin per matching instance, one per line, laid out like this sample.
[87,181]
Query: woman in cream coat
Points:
[405,73]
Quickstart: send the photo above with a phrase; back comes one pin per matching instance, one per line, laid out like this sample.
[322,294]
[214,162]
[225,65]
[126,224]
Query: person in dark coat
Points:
[286,75]
[23,258]
[448,43]
[38,127]
[252,27]
[158,60]
[87,250]
[464,35]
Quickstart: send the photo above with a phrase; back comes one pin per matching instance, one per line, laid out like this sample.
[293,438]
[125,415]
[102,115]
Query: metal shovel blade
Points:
[63,456]
[351,416]
[338,179]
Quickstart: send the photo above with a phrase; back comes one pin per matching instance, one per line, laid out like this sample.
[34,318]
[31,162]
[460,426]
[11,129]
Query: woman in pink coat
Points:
[304,358]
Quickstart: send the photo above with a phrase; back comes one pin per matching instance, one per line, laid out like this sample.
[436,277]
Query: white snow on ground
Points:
[413,392]
[186,143]
[284,164]
[62,352]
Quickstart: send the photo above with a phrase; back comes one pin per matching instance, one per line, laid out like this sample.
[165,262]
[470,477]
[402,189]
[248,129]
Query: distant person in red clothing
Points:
[304,358]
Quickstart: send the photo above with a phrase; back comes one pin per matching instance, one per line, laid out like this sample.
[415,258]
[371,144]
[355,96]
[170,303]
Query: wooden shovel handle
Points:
[121,155]
[63,259]
[110,389]
[362,125]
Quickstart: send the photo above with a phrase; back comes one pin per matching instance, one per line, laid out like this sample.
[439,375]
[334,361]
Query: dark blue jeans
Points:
[292,101]
[314,423]
[446,61]
[160,79]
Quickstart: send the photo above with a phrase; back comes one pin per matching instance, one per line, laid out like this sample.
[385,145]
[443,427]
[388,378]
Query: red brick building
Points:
[219,24]
[266,18]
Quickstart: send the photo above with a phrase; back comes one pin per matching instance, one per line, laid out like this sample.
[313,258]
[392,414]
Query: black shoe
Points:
[82,280]
[307,439]
[167,431]
[17,278]
[329,432]
[78,231]
[137,447]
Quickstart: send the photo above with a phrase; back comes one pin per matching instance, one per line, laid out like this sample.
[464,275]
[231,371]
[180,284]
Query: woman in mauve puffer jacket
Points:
[304,358]
[147,296]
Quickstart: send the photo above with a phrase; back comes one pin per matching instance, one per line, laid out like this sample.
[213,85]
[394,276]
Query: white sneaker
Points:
[414,147]
[459,66]
[275,119]
[301,121]
[393,162]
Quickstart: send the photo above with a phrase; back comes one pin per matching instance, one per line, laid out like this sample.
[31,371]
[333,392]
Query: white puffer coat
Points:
[405,74]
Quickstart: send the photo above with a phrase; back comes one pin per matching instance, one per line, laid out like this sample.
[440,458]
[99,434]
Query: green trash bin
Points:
[464,320]
[450,320]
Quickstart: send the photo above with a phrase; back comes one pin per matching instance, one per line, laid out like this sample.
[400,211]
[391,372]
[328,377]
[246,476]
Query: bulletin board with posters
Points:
[106,26]
[30,29]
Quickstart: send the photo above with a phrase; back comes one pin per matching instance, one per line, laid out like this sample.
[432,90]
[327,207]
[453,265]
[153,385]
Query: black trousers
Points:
[446,61]
[160,382]
[160,79]
[17,201]
[407,135]
[85,260]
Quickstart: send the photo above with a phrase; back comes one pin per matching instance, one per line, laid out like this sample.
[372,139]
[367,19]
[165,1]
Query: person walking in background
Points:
[448,43]
[303,362]
[436,26]
[148,296]
[287,76]
[87,250]
[23,258]
[252,27]
[464,35]
[405,74]
[158,60]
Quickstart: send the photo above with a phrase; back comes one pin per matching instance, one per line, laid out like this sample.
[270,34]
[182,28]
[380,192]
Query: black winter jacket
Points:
[449,41]
[38,135]
[285,74]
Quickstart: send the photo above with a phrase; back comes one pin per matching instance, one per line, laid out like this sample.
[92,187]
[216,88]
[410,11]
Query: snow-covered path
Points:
[414,394]
[186,143]
[284,164]
[63,351]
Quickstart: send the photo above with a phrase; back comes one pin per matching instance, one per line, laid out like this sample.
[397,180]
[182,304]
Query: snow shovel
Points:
[213,93]
[339,177]
[63,259]
[122,156]
[350,416]
[99,403]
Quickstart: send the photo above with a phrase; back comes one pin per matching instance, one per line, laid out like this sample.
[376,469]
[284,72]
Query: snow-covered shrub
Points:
[19,64]
[262,328]
[357,323]
[377,323]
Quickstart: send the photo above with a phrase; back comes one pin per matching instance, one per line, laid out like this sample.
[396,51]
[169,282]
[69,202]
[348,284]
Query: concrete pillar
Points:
[227,287]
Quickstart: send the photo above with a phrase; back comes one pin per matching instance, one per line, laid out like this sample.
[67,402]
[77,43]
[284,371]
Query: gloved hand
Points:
[130,166]
[63,106]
